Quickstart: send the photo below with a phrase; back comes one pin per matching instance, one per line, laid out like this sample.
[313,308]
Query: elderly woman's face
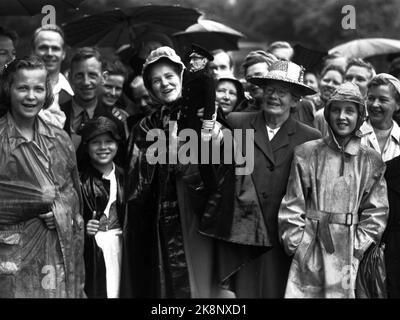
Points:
[28,93]
[381,104]
[165,82]
[226,96]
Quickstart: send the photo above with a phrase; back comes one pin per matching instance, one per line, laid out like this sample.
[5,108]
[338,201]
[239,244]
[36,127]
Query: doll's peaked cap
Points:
[201,51]
[98,126]
[288,72]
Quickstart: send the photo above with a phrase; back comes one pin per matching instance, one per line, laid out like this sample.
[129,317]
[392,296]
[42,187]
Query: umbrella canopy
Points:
[117,27]
[367,47]
[211,35]
[33,7]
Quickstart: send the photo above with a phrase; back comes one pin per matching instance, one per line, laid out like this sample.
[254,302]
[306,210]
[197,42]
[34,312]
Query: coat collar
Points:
[281,139]
[367,129]
[15,136]
[352,147]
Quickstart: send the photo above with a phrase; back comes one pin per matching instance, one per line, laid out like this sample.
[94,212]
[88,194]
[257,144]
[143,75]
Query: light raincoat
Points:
[335,207]
[36,262]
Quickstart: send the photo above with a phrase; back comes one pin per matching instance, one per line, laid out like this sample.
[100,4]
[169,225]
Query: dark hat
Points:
[288,72]
[238,85]
[201,51]
[98,126]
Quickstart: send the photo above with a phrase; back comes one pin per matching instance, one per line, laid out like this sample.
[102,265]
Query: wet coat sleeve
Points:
[291,216]
[374,209]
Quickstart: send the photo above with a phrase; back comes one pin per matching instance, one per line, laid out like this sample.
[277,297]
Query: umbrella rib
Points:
[71,3]
[25,7]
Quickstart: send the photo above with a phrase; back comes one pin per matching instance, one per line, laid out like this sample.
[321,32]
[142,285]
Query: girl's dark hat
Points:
[98,126]
[201,51]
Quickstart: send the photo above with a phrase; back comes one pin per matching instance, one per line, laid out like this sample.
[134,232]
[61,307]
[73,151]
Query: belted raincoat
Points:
[335,207]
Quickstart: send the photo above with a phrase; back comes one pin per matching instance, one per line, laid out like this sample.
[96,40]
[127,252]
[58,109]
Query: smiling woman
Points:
[34,153]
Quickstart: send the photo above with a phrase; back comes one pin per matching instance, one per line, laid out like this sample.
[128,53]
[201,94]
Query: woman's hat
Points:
[348,92]
[154,56]
[238,85]
[288,72]
[98,126]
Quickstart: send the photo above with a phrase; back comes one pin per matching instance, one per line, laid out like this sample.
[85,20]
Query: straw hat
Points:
[288,72]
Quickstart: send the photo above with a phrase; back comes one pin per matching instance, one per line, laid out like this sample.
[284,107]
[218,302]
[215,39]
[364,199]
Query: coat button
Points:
[265,195]
[271,168]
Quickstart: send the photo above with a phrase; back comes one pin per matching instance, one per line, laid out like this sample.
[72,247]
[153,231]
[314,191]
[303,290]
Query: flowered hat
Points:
[288,72]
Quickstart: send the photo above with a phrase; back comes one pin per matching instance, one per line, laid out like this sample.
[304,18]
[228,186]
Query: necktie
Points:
[84,118]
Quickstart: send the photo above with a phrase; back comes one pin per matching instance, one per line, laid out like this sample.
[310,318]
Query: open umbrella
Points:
[117,27]
[211,35]
[33,7]
[367,47]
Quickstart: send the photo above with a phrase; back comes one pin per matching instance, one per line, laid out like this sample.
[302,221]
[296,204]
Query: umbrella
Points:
[117,27]
[367,47]
[211,35]
[310,59]
[32,7]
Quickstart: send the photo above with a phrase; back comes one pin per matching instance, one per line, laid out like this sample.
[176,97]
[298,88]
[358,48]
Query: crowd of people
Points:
[107,191]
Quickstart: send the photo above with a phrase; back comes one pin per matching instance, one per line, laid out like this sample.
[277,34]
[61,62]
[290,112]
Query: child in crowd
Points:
[104,209]
[335,205]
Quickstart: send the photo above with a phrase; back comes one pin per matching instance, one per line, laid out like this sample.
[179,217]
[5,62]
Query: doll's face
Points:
[102,149]
[197,62]
[343,116]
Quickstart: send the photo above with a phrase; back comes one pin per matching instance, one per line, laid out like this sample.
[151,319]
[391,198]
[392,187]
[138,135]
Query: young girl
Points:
[102,190]
[335,205]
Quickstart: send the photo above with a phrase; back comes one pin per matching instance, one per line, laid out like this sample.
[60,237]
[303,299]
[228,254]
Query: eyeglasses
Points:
[279,91]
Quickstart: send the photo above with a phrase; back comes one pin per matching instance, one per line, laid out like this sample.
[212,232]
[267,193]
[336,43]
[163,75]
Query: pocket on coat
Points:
[10,253]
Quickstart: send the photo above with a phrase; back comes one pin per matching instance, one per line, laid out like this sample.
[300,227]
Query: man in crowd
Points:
[221,65]
[85,78]
[256,64]
[8,41]
[48,42]
[282,50]
[360,73]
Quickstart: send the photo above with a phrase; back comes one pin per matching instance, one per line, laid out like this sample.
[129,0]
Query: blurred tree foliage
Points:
[313,23]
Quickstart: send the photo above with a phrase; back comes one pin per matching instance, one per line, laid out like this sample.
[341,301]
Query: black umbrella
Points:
[211,35]
[33,7]
[117,27]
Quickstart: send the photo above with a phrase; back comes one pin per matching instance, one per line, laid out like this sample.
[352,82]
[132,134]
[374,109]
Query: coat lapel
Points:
[281,140]
[261,136]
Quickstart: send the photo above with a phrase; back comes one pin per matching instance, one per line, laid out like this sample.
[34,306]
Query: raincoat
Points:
[335,207]
[36,262]
[179,240]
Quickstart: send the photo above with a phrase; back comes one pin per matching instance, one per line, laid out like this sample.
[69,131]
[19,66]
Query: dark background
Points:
[315,24]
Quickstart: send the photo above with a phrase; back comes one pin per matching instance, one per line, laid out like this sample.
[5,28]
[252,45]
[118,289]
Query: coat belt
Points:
[326,218]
